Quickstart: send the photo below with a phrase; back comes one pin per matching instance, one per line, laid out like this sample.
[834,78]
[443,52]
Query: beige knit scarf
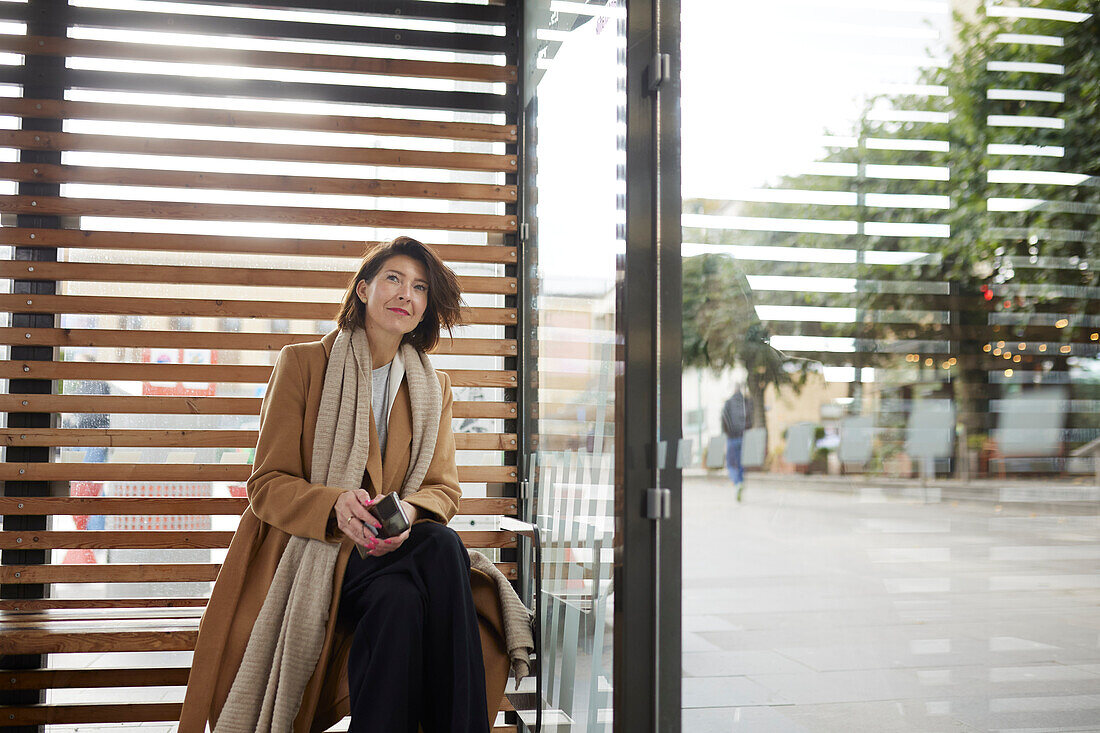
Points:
[286,639]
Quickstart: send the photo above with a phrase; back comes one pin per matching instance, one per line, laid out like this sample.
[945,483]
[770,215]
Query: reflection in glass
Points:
[576,92]
[890,221]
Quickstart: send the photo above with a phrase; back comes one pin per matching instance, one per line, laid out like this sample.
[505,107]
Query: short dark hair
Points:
[444,309]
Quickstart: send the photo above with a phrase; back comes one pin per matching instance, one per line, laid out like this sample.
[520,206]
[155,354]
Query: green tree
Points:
[1018,262]
[722,330]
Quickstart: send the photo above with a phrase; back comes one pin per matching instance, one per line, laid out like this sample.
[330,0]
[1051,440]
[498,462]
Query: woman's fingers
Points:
[354,504]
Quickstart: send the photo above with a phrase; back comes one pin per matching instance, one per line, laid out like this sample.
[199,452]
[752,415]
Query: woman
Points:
[300,630]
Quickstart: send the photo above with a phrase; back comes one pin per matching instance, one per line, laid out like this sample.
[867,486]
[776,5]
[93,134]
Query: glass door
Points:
[592,448]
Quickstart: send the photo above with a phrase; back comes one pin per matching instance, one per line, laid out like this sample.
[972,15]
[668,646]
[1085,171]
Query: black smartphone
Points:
[391,514]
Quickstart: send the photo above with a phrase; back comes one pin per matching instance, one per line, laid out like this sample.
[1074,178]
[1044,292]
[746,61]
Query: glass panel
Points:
[890,218]
[576,57]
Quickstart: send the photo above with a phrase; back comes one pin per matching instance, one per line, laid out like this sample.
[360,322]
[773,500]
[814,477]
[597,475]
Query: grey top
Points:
[380,403]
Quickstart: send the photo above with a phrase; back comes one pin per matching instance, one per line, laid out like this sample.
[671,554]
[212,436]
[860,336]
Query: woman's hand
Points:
[353,523]
[353,519]
[382,547]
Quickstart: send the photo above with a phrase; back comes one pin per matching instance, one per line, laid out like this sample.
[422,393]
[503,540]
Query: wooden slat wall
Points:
[224,216]
[170,227]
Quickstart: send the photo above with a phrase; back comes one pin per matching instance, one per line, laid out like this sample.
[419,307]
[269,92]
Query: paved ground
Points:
[818,611]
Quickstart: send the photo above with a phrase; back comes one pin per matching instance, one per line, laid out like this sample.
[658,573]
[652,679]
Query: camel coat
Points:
[283,503]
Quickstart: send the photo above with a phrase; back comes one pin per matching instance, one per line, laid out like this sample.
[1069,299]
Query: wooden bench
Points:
[30,627]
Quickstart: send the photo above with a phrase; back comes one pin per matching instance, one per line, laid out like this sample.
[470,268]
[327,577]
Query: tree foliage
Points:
[722,330]
[1003,246]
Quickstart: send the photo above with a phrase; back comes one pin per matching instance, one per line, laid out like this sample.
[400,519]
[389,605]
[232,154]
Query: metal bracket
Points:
[658,504]
[524,232]
[659,71]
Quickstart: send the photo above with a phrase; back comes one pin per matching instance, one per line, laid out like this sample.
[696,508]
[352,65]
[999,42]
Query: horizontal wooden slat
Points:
[112,505]
[43,173]
[41,604]
[135,371]
[54,679]
[61,141]
[115,539]
[194,438]
[30,237]
[192,405]
[250,276]
[50,46]
[110,713]
[174,539]
[130,617]
[166,114]
[63,206]
[186,472]
[91,437]
[89,714]
[210,308]
[111,338]
[129,573]
[151,372]
[114,573]
[174,506]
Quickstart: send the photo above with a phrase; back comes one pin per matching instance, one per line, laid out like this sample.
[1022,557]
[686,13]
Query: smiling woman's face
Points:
[397,296]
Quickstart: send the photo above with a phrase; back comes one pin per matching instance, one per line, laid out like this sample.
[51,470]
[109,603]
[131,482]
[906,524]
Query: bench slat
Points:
[84,641]
[116,713]
[194,438]
[238,472]
[249,406]
[71,714]
[131,573]
[175,539]
[50,679]
[232,373]
[173,506]
[44,604]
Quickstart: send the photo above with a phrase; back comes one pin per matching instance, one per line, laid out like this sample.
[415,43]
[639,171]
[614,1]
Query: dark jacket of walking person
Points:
[409,630]
[736,419]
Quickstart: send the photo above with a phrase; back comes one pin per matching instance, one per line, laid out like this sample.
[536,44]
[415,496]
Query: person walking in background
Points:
[736,419]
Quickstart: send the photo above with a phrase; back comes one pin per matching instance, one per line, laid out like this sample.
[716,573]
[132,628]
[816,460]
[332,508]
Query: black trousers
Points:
[416,653]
